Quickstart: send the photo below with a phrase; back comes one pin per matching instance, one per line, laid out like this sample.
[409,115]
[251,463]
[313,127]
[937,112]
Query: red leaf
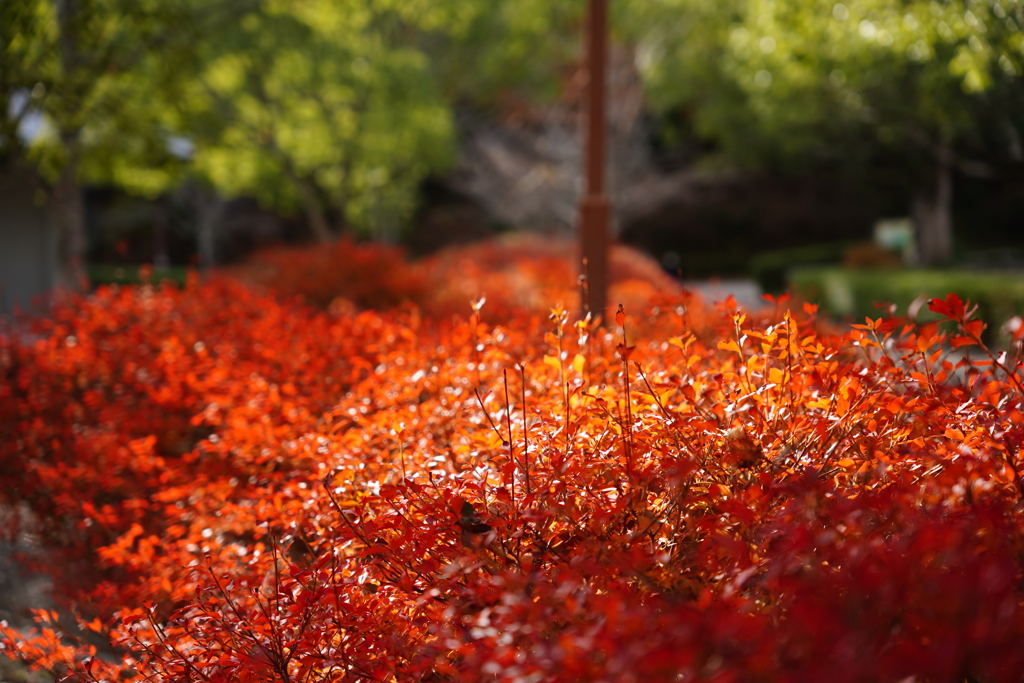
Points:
[974,328]
[952,307]
[959,341]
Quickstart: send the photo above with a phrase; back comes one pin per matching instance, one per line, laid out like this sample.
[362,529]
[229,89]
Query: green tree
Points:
[71,68]
[934,85]
[328,106]
[324,106]
[495,52]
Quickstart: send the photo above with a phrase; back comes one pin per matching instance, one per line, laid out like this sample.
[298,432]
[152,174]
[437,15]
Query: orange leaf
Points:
[729,346]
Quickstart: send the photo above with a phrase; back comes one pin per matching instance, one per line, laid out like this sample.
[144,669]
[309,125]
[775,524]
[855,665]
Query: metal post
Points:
[595,209]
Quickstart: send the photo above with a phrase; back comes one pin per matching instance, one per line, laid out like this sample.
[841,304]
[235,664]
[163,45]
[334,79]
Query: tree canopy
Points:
[331,107]
[808,72]
[320,105]
[934,85]
[70,74]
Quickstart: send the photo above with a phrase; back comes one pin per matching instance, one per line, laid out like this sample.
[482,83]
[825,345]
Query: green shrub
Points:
[847,292]
[769,268]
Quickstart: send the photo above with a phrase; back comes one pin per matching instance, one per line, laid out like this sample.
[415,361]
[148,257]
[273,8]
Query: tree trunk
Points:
[209,210]
[206,239]
[933,214]
[68,214]
[161,235]
[66,204]
[318,222]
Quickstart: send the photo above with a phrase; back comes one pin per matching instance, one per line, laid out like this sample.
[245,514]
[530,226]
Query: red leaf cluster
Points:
[252,490]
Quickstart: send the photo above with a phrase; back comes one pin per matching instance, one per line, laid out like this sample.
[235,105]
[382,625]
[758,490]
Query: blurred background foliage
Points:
[929,88]
[820,80]
[340,110]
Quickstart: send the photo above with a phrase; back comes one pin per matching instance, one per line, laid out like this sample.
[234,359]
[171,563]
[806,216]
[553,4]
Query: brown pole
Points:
[595,209]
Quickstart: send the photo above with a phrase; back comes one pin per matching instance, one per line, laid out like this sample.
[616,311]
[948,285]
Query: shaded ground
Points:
[746,291]
[20,591]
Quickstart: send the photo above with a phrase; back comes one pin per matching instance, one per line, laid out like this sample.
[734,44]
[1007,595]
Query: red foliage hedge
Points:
[368,275]
[525,272]
[516,273]
[253,490]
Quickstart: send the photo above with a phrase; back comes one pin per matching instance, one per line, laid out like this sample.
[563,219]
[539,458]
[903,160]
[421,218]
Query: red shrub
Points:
[373,497]
[525,272]
[369,275]
[103,404]
[515,273]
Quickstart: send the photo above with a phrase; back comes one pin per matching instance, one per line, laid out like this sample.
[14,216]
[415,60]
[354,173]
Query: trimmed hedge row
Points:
[853,292]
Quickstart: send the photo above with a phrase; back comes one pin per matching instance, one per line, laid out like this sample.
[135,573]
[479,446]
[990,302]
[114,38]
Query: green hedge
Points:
[106,274]
[846,292]
[770,268]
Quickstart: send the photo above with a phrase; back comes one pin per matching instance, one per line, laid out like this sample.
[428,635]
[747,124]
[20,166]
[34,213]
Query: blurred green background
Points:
[747,137]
